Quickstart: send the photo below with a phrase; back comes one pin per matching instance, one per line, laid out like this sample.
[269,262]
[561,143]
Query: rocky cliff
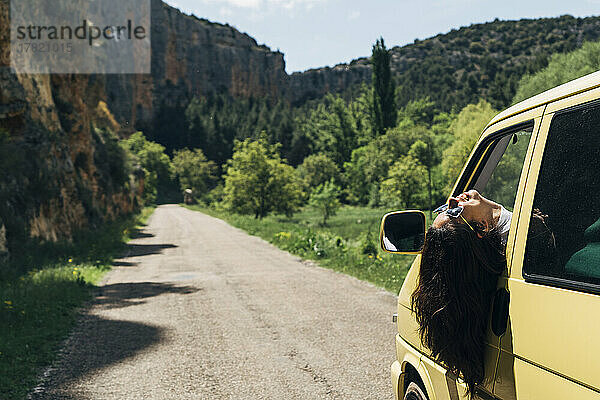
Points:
[58,154]
[59,162]
[192,57]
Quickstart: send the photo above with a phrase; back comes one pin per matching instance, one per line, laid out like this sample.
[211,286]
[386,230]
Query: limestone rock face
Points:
[192,57]
[55,180]
[316,83]
[54,174]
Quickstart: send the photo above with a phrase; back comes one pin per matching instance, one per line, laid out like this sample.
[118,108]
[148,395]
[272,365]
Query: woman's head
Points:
[479,213]
[457,279]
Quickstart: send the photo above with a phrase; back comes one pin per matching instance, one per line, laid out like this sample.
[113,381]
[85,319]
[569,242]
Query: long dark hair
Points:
[458,276]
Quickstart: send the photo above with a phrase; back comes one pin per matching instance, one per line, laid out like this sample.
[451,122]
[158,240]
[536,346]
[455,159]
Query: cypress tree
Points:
[384,100]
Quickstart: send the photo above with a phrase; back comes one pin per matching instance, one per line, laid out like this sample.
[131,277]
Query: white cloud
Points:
[353,15]
[225,12]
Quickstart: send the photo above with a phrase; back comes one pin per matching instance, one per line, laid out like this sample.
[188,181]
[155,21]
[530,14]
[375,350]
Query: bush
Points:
[156,165]
[310,244]
[325,199]
[194,171]
[258,182]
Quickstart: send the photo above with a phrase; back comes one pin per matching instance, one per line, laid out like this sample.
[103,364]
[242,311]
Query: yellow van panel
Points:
[558,329]
[408,328]
[576,99]
[437,387]
[395,374]
[407,325]
[410,283]
[504,385]
[534,383]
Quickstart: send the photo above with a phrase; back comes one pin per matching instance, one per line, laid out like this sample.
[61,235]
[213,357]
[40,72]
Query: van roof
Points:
[582,84]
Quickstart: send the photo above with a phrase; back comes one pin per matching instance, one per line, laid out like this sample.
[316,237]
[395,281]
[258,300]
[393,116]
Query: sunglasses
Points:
[454,212]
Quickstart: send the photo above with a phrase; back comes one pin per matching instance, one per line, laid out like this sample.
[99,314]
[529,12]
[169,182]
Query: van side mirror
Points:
[403,232]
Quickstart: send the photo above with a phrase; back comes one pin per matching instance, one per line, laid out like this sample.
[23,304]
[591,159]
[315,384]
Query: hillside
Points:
[463,65]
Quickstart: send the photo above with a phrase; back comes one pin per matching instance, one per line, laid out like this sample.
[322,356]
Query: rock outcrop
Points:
[55,167]
[192,57]
[55,130]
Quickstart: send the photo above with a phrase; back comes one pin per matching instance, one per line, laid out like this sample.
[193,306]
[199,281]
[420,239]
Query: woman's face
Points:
[478,210]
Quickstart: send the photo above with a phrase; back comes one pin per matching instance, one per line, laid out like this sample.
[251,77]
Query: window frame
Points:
[484,150]
[546,280]
[477,158]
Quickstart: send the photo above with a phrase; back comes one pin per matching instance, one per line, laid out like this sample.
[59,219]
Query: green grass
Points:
[349,243]
[38,308]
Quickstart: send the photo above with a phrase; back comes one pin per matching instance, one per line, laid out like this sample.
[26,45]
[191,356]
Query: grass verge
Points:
[38,308]
[349,243]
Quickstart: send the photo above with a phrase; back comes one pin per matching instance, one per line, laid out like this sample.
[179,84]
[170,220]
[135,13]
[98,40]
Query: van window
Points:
[497,164]
[498,180]
[563,245]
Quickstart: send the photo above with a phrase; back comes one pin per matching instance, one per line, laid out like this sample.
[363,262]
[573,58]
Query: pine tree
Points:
[384,101]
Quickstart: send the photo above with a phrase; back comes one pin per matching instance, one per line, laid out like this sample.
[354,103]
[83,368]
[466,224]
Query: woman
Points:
[460,264]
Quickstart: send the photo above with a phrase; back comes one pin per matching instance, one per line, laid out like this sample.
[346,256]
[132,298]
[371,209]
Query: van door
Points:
[496,169]
[555,277]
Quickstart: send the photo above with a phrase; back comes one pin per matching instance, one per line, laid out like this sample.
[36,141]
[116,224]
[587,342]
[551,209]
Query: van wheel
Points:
[414,392]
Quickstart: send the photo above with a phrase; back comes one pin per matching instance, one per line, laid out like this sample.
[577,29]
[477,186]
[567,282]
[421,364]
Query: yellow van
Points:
[543,339]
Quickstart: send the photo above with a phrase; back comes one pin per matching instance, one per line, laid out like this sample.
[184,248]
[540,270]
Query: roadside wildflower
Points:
[283,235]
[70,260]
[370,255]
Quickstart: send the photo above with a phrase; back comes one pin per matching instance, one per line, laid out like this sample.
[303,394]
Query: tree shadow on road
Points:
[97,343]
[120,295]
[140,234]
[139,250]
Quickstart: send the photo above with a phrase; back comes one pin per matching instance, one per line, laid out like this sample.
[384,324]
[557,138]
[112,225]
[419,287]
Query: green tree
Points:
[369,164]
[465,129]
[427,154]
[361,109]
[258,181]
[331,129]
[422,111]
[155,164]
[405,186]
[318,169]
[561,69]
[384,90]
[194,171]
[325,199]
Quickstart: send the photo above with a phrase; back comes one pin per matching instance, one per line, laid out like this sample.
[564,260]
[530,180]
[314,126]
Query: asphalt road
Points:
[201,310]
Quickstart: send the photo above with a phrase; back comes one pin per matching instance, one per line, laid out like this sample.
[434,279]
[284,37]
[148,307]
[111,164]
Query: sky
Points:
[317,33]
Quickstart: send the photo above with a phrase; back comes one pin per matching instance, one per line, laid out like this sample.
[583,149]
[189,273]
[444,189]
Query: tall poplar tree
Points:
[384,90]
